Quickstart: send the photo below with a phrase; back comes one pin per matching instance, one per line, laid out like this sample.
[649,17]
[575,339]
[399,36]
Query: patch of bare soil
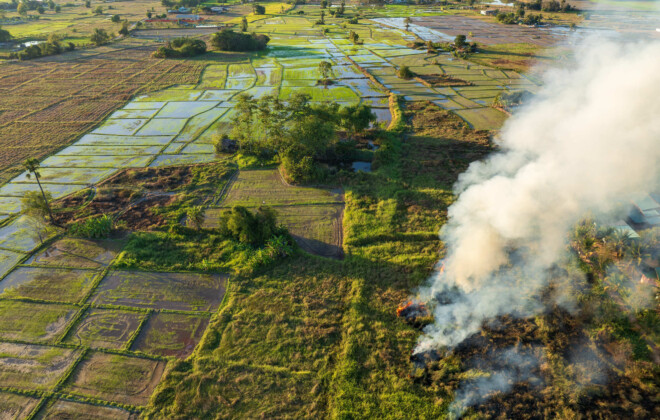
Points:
[131,196]
[166,179]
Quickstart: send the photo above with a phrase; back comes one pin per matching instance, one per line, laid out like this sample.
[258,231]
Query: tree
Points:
[354,37]
[324,4]
[4,35]
[259,9]
[325,70]
[407,21]
[51,4]
[405,72]
[322,20]
[35,208]
[22,9]
[31,165]
[149,14]
[115,18]
[58,8]
[228,40]
[195,217]
[244,24]
[356,118]
[98,10]
[88,4]
[460,41]
[41,10]
[100,37]
[124,28]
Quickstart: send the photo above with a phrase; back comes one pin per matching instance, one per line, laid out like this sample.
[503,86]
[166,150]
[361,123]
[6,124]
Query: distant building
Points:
[218,9]
[489,12]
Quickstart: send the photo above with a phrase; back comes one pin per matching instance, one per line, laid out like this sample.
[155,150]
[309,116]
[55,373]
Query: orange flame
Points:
[403,307]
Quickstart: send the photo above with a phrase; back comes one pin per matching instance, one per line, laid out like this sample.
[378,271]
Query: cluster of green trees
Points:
[252,228]
[300,133]
[519,17]
[181,47]
[52,46]
[260,230]
[549,6]
[26,6]
[228,40]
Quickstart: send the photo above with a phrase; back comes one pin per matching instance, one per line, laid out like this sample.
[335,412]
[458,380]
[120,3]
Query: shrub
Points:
[228,40]
[298,169]
[259,9]
[100,37]
[405,72]
[249,228]
[96,227]
[4,35]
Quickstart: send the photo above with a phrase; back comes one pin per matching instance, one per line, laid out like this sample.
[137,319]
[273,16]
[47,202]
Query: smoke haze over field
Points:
[588,141]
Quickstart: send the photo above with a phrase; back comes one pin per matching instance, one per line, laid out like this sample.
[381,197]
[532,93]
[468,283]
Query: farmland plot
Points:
[171,334]
[79,253]
[106,328]
[312,215]
[63,409]
[33,367]
[116,378]
[61,284]
[34,322]
[178,291]
[16,406]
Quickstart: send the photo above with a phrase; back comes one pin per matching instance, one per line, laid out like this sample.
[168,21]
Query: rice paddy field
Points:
[80,337]
[74,331]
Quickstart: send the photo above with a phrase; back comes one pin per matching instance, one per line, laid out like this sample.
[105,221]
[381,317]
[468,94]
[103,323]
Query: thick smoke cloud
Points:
[590,140]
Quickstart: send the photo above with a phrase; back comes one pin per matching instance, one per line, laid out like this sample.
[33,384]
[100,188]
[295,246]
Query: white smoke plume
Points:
[589,140]
[506,368]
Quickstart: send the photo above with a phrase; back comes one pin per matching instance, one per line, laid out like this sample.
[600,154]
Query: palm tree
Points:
[32,167]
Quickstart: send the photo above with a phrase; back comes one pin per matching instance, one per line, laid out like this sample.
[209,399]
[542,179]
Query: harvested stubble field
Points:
[47,103]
